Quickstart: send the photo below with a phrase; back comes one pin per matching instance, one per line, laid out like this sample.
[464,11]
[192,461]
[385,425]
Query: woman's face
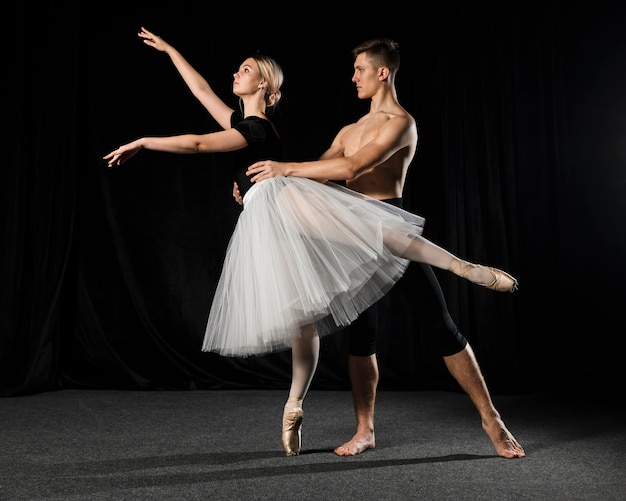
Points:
[247,79]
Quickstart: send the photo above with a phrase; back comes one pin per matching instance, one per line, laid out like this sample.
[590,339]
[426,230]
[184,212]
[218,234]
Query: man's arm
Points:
[335,151]
[397,133]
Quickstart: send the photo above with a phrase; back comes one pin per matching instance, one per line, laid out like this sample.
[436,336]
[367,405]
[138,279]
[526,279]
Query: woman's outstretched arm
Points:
[198,85]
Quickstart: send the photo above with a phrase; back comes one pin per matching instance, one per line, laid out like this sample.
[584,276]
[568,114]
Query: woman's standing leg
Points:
[305,355]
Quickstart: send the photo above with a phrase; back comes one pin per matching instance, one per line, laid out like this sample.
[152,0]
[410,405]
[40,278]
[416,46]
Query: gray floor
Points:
[121,445]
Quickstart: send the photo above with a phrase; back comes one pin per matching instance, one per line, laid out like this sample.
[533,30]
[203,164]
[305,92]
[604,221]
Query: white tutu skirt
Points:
[304,252]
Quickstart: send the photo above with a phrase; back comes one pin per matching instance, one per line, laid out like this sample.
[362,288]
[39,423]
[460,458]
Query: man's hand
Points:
[237,194]
[265,169]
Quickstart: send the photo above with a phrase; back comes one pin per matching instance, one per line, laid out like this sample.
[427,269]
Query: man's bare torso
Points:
[386,180]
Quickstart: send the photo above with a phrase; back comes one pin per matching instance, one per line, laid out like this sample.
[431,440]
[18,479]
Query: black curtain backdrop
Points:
[108,275]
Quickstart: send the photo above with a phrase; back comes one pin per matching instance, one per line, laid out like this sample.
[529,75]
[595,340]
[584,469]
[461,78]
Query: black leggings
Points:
[442,332]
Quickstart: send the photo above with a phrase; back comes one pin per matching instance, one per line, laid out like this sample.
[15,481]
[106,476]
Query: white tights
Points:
[305,355]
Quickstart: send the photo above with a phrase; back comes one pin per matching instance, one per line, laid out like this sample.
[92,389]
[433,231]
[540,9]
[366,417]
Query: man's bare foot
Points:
[505,443]
[357,444]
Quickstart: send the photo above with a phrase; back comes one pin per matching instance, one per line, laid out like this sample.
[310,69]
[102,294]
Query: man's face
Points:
[365,77]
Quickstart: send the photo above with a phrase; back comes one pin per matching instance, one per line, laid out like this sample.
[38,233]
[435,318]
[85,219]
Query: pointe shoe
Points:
[292,430]
[502,281]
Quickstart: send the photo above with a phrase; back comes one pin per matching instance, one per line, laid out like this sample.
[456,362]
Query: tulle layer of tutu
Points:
[304,252]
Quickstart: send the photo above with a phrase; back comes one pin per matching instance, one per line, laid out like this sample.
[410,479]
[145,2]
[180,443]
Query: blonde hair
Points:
[272,73]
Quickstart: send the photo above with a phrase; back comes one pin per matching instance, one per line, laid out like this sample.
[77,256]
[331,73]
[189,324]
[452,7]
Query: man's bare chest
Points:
[359,135]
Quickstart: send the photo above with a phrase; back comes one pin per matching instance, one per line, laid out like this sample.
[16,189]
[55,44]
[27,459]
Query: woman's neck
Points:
[252,106]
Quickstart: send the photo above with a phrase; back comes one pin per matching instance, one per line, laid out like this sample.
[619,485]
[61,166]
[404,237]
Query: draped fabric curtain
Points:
[39,188]
[108,274]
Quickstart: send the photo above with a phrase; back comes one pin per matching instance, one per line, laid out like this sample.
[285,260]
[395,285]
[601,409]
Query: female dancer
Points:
[306,257]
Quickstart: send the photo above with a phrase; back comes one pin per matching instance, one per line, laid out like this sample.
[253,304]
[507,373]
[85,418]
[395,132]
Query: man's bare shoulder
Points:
[398,116]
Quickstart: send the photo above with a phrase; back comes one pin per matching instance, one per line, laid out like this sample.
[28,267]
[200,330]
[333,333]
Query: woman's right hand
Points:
[153,40]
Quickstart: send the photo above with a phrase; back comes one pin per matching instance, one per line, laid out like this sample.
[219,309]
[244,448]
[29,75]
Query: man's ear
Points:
[383,73]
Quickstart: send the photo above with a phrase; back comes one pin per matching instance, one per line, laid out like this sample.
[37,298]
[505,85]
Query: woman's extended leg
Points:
[424,251]
[305,355]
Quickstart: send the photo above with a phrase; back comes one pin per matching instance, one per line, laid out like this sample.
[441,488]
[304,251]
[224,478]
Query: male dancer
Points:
[373,155]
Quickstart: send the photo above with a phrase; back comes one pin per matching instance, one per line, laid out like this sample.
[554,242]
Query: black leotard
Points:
[263,144]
